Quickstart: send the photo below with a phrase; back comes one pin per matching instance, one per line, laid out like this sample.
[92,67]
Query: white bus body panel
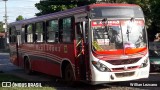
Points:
[99,77]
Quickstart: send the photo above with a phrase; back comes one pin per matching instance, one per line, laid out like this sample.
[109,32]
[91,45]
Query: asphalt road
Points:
[5,64]
[7,67]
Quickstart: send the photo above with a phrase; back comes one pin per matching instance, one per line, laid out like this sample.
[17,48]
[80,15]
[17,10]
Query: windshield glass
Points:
[118,35]
[117,12]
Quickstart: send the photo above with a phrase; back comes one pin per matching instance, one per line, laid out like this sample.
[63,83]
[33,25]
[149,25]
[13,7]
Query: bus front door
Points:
[80,55]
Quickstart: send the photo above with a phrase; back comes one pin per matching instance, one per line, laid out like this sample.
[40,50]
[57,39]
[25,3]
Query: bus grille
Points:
[124,69]
[123,61]
[124,74]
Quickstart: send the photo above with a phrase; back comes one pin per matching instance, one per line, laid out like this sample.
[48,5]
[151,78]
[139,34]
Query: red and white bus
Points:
[97,43]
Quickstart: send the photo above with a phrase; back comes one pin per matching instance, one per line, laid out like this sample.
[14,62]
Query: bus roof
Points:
[67,12]
[110,5]
[51,16]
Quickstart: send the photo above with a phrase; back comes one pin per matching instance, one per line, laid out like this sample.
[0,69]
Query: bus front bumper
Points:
[108,77]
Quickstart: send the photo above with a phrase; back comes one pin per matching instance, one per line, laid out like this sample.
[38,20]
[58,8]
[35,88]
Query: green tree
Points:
[20,17]
[154,18]
[50,6]
[1,27]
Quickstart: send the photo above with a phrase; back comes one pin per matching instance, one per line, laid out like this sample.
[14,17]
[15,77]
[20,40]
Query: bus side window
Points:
[12,35]
[29,33]
[52,31]
[66,30]
[40,32]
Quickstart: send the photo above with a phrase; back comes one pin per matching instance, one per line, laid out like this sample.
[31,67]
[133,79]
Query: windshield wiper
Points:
[127,34]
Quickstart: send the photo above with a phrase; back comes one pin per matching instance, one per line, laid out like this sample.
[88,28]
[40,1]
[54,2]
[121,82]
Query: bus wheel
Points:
[69,75]
[27,66]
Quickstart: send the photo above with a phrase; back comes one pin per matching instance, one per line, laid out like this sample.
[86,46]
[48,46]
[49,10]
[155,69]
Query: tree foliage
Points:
[50,6]
[150,7]
[1,27]
[20,17]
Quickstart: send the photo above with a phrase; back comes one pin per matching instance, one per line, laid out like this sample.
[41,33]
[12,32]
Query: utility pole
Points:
[5,23]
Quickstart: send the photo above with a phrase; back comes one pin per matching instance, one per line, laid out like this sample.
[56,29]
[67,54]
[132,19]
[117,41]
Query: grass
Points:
[12,78]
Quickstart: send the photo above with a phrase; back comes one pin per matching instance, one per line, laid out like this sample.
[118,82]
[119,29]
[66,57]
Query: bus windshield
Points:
[117,12]
[118,35]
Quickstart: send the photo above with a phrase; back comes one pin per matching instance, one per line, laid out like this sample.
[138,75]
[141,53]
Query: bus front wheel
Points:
[69,74]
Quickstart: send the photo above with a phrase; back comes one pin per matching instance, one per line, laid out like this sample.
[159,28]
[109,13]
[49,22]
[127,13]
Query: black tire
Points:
[27,66]
[69,75]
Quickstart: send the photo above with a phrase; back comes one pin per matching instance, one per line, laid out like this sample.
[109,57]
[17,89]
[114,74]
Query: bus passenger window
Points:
[52,31]
[29,33]
[39,32]
[12,36]
[67,28]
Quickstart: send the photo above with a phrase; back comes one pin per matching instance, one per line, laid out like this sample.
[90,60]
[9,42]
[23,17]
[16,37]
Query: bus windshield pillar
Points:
[84,33]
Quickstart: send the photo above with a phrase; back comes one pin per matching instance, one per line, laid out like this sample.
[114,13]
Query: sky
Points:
[26,8]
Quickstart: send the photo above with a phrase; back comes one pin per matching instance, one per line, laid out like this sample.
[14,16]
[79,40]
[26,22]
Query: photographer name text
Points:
[143,84]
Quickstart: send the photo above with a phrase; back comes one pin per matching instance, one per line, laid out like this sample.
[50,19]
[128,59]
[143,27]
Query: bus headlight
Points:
[101,67]
[145,63]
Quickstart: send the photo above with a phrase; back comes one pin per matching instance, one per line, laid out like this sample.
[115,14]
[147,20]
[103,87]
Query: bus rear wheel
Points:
[27,66]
